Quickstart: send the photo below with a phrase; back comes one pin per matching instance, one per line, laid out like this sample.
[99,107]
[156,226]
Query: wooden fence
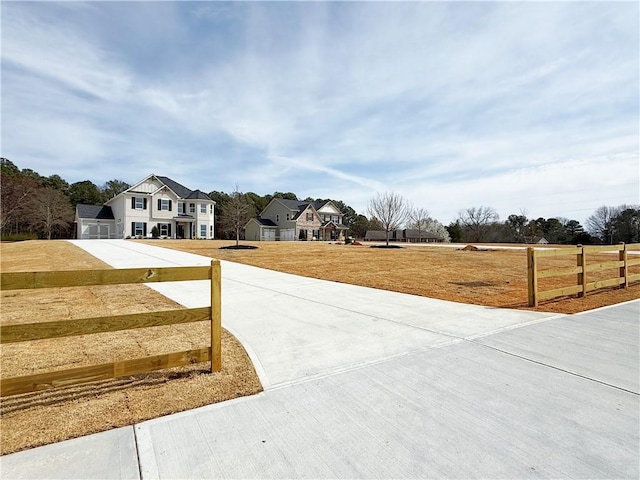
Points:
[84,326]
[581,270]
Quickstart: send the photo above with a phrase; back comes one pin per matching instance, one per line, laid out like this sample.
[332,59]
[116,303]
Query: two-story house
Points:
[297,220]
[175,210]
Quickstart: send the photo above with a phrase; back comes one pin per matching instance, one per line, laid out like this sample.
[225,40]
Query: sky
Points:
[525,107]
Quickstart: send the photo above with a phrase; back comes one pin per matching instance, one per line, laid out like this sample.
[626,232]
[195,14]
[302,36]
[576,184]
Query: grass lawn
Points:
[494,277]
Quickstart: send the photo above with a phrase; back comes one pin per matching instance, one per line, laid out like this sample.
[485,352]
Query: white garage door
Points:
[287,234]
[269,234]
[97,231]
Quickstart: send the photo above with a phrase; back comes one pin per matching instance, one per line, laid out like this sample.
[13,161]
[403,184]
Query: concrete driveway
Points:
[363,383]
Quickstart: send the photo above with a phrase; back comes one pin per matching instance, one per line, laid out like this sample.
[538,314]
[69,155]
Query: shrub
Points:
[19,237]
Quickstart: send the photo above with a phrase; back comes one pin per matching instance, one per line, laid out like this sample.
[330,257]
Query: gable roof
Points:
[319,204]
[339,226]
[293,204]
[265,222]
[180,190]
[197,195]
[323,203]
[98,212]
[301,205]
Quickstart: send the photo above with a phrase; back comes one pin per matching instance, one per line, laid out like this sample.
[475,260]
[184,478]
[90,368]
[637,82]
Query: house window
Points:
[310,217]
[203,230]
[180,208]
[139,203]
[334,218]
[164,229]
[139,229]
[203,208]
[287,217]
[164,204]
[277,218]
[192,208]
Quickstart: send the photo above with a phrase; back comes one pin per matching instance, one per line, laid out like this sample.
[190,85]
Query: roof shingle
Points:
[99,212]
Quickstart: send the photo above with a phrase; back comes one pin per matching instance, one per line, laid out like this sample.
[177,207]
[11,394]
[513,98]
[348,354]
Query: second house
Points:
[288,220]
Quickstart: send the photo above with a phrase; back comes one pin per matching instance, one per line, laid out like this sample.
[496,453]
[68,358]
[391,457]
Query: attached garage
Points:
[94,222]
[259,229]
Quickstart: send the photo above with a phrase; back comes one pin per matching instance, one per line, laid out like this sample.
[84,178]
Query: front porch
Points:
[331,231]
[184,227]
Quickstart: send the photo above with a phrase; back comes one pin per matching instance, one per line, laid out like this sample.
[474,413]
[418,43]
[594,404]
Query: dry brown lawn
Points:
[494,278]
[31,420]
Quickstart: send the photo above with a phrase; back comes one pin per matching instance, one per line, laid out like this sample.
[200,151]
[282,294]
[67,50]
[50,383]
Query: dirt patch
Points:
[40,418]
[498,277]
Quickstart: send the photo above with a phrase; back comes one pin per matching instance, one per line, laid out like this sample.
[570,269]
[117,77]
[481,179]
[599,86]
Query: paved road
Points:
[362,383]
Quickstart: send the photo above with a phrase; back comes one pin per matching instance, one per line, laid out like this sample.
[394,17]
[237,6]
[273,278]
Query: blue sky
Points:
[520,106]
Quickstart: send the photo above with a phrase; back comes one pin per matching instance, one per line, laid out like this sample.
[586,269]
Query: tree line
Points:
[607,225]
[35,206]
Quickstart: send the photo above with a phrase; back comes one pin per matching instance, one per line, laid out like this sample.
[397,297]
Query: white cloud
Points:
[457,104]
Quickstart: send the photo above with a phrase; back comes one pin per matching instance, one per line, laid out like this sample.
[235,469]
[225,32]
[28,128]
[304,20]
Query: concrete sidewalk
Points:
[362,383]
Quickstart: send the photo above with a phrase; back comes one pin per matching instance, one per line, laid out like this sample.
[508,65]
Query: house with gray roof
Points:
[288,220]
[406,235]
[418,236]
[157,201]
[94,221]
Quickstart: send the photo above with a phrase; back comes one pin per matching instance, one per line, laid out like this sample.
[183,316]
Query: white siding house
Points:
[156,201]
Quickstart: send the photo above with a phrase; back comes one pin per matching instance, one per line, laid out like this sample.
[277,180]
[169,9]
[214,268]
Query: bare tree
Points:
[477,222]
[236,212]
[47,209]
[391,209]
[600,224]
[14,194]
[418,218]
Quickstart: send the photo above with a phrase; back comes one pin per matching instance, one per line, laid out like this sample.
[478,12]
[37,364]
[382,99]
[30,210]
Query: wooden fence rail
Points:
[581,270]
[84,326]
